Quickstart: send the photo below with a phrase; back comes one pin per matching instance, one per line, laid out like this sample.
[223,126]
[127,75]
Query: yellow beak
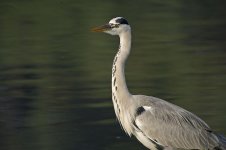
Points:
[101,28]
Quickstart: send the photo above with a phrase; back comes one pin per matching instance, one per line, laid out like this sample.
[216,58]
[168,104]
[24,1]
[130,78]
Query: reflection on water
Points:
[55,75]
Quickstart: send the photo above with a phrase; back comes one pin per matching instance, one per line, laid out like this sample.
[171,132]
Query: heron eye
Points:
[114,25]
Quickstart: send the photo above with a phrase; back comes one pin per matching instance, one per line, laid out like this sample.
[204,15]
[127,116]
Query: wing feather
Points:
[173,126]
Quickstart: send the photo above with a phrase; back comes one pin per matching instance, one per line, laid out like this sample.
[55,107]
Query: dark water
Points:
[55,91]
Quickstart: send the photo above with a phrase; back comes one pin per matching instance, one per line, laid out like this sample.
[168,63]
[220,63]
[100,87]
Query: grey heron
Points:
[156,123]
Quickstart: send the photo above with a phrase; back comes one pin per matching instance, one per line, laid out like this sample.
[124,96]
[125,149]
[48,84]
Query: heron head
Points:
[115,26]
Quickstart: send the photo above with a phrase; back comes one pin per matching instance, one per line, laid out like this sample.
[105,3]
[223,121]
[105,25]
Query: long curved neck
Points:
[119,86]
[120,93]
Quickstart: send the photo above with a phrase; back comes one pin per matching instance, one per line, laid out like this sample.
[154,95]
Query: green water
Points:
[55,90]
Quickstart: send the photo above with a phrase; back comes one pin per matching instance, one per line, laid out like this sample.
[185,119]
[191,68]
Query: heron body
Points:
[156,123]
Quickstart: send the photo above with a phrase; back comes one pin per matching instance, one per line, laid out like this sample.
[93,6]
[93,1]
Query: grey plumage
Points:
[156,123]
[172,126]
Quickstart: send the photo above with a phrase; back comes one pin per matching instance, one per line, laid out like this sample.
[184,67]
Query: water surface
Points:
[55,90]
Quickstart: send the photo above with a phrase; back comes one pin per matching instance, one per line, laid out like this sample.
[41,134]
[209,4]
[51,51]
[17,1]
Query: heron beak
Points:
[103,28]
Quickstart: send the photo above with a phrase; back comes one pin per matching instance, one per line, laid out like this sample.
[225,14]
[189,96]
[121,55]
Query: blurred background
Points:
[55,75]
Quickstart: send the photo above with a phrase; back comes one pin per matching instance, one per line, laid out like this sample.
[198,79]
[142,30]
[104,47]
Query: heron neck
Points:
[119,86]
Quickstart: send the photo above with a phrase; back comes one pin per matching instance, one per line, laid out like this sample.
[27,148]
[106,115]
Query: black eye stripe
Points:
[117,22]
[122,21]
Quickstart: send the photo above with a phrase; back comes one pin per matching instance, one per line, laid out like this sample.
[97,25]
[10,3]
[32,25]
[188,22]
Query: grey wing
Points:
[172,126]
